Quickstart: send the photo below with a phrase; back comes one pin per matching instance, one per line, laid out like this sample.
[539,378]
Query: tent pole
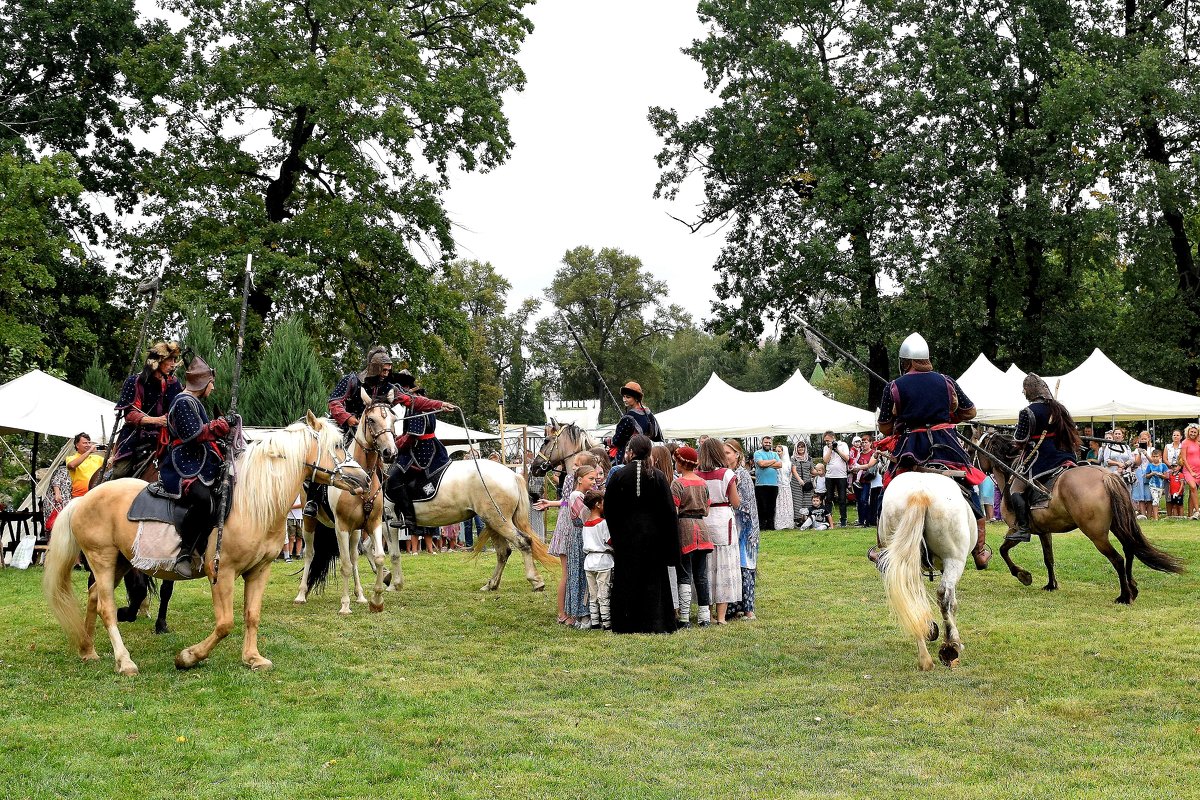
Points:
[33,498]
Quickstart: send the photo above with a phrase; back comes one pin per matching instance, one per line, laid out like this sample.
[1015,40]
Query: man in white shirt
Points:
[836,456]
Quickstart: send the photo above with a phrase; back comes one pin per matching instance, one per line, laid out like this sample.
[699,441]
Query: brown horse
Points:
[269,474]
[1086,497]
[374,442]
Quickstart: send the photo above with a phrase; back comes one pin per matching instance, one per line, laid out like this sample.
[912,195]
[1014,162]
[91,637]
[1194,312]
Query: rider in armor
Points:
[419,452]
[637,419]
[1048,440]
[919,410]
[345,406]
[142,404]
[192,466]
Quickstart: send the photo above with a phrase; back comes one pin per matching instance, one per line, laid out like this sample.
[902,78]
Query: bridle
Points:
[553,443]
[372,434]
[339,466]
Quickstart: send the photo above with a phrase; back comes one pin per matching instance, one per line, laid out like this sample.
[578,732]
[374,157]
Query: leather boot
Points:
[982,554]
[396,490]
[1020,507]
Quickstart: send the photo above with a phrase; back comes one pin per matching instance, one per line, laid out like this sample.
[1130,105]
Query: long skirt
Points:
[577,589]
[801,500]
[746,604]
[725,574]
[784,508]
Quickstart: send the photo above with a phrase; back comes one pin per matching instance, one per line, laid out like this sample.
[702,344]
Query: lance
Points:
[591,363]
[808,329]
[150,287]
[226,473]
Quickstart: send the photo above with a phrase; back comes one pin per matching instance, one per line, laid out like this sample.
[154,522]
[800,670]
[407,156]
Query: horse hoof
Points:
[925,664]
[390,588]
[1025,578]
[185,660]
[161,629]
[92,656]
[1050,587]
[258,664]
[375,608]
[129,671]
[362,600]
[948,653]
[934,632]
[300,601]
[345,612]
[487,587]
[541,587]
[1124,600]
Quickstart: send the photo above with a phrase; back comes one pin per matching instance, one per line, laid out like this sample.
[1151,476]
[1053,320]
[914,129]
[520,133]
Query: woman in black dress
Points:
[641,519]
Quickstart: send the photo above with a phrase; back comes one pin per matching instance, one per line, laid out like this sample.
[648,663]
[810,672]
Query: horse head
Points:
[328,459]
[994,446]
[376,432]
[562,442]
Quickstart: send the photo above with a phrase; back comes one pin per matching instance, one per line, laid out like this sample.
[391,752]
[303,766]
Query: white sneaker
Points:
[1142,516]
[1195,516]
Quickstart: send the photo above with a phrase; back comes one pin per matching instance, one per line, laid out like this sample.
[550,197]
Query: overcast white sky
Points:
[583,171]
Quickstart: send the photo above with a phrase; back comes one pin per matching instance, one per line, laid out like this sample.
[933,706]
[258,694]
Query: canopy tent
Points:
[793,408]
[996,394]
[40,403]
[1097,388]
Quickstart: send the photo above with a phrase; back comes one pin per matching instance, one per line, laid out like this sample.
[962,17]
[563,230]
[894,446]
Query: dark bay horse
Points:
[1086,497]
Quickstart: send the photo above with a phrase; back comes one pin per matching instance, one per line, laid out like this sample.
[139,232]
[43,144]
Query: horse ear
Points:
[312,420]
[366,398]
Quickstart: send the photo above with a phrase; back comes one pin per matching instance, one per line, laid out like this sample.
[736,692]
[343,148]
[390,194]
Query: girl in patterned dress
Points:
[577,589]
[724,567]
[745,517]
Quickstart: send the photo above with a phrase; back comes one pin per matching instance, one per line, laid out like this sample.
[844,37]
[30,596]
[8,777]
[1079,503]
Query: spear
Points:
[226,474]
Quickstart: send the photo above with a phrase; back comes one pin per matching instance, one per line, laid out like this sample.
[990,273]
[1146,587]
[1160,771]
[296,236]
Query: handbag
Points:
[50,520]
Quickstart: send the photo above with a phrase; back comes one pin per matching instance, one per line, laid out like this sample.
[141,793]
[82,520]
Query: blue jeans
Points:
[469,527]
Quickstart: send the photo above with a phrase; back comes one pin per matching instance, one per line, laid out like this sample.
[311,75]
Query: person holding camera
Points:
[84,464]
[836,457]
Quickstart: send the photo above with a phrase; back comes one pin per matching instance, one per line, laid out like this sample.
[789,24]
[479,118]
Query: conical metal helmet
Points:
[915,347]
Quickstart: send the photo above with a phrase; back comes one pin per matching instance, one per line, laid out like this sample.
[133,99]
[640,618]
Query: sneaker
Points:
[1195,516]
[1142,516]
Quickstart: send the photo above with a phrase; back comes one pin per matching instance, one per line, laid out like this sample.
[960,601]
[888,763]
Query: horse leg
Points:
[347,568]
[256,586]
[106,606]
[137,587]
[377,557]
[952,570]
[302,595]
[1048,557]
[359,597]
[395,581]
[164,599]
[1019,573]
[502,553]
[87,646]
[1110,552]
[1129,557]
[222,595]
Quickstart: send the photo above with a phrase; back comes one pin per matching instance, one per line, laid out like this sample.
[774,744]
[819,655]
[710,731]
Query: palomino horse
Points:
[921,506]
[374,441]
[1086,497]
[269,474]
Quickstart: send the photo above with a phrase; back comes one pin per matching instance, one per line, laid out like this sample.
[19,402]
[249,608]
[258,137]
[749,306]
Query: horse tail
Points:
[521,520]
[324,552]
[901,565]
[1125,527]
[56,580]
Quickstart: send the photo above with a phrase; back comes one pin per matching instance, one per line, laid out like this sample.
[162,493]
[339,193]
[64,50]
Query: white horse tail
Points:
[521,520]
[902,568]
[56,579]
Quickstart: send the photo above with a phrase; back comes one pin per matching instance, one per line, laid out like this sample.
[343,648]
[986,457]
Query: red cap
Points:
[687,454]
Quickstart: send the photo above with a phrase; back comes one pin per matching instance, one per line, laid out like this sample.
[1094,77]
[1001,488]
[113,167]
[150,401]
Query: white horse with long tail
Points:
[925,507]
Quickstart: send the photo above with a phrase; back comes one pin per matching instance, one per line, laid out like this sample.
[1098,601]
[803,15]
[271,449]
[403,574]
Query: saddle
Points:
[149,506]
[1038,499]
[425,488]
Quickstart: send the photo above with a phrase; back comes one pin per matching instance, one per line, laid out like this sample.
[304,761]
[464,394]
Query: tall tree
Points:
[800,158]
[320,136]
[287,380]
[617,309]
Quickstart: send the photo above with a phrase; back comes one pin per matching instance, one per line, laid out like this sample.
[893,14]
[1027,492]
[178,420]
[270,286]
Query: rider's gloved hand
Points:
[218,427]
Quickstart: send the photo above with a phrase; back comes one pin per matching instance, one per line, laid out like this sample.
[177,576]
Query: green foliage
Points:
[286,381]
[201,340]
[300,132]
[618,311]
[98,381]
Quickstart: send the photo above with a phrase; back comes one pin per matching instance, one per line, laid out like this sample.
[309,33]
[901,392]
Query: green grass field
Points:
[454,693]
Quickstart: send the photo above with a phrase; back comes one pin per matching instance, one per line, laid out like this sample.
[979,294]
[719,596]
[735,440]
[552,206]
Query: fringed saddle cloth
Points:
[156,547]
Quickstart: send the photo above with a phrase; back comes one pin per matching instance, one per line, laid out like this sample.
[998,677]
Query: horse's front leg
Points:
[222,596]
[951,648]
[1048,557]
[256,586]
[308,533]
[1020,573]
[377,558]
[346,567]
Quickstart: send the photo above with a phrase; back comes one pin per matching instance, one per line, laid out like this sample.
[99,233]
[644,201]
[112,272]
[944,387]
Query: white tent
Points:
[1099,388]
[996,394]
[40,403]
[792,408]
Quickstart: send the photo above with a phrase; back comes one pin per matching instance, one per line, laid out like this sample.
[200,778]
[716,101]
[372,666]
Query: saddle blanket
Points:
[148,506]
[427,489]
[156,546]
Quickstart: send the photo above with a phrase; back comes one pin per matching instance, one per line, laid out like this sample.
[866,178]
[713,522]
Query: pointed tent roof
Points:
[794,407]
[40,403]
[996,394]
[818,373]
[1099,388]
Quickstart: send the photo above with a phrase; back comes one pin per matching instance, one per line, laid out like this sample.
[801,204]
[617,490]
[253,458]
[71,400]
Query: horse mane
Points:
[267,471]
